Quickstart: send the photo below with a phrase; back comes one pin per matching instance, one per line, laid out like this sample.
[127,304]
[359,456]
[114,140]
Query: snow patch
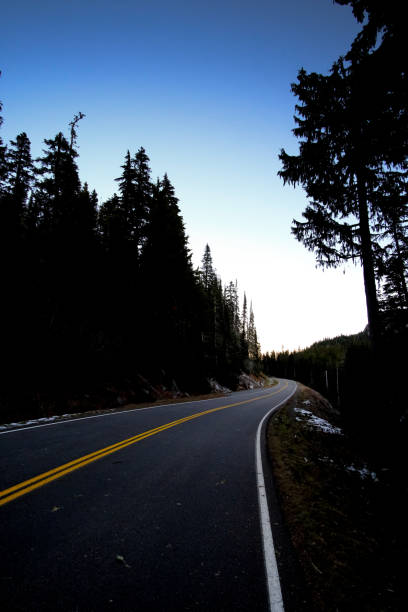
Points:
[30,422]
[363,472]
[316,422]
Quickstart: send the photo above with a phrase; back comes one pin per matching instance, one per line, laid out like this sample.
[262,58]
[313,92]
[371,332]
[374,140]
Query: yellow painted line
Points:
[22,488]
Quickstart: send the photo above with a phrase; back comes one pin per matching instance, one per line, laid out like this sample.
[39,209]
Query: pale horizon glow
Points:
[205,89]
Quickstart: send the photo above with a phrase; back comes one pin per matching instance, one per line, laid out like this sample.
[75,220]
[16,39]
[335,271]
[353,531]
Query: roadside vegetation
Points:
[346,513]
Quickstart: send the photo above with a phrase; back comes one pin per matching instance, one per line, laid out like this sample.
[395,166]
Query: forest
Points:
[100,301]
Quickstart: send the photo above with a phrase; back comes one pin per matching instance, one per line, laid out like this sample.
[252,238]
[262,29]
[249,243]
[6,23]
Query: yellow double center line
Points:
[31,484]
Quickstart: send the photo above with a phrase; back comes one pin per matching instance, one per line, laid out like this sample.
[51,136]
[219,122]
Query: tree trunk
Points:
[367,260]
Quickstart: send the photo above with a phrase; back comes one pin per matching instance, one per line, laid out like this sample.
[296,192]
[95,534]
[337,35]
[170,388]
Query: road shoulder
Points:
[335,510]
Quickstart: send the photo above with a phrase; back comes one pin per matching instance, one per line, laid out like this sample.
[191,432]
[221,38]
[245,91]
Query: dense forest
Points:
[102,300]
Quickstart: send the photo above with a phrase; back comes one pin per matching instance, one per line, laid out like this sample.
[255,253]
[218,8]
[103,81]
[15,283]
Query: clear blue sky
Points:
[204,87]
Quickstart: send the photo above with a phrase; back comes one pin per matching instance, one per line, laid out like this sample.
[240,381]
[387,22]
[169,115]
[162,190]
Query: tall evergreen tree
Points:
[3,164]
[354,126]
[127,191]
[244,329]
[232,301]
[393,224]
[143,195]
[337,169]
[208,274]
[166,246]
[20,171]
[135,189]
[167,279]
[59,186]
[253,345]
[112,224]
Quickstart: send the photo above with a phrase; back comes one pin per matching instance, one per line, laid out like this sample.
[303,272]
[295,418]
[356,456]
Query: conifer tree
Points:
[127,191]
[337,171]
[86,216]
[3,149]
[253,345]
[379,62]
[392,261]
[208,274]
[244,329]
[20,171]
[112,225]
[232,301]
[167,280]
[166,247]
[59,187]
[143,195]
[135,190]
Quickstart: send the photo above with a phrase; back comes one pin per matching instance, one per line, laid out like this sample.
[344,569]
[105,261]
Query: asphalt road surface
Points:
[152,509]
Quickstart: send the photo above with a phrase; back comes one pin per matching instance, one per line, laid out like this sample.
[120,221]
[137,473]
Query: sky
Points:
[204,87]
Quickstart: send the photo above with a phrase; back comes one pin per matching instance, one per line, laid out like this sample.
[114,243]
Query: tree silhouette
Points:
[336,168]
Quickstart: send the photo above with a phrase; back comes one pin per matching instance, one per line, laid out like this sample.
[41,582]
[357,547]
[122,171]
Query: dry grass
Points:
[344,525]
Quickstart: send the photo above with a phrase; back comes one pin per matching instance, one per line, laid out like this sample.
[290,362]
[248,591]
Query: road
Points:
[167,520]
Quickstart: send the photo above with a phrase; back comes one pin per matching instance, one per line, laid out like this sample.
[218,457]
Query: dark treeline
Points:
[352,127]
[320,366]
[365,384]
[101,299]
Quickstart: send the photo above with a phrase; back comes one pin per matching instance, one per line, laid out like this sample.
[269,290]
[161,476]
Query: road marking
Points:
[22,488]
[271,567]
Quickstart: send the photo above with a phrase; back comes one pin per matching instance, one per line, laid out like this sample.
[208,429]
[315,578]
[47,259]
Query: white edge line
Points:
[97,416]
[271,567]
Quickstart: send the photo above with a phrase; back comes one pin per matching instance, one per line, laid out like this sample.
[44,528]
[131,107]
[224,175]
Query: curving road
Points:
[152,509]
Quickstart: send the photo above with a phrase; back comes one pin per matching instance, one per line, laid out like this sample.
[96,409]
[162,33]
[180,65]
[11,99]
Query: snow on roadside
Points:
[363,472]
[316,422]
[41,421]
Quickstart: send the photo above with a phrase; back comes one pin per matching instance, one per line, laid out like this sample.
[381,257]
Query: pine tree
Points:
[208,274]
[135,190]
[112,225]
[337,170]
[379,61]
[169,311]
[86,216]
[244,330]
[3,149]
[166,248]
[20,175]
[253,345]
[127,191]
[143,195]
[59,187]
[232,302]
[392,269]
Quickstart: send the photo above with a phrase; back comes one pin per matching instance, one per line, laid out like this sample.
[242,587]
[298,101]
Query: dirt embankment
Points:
[346,518]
